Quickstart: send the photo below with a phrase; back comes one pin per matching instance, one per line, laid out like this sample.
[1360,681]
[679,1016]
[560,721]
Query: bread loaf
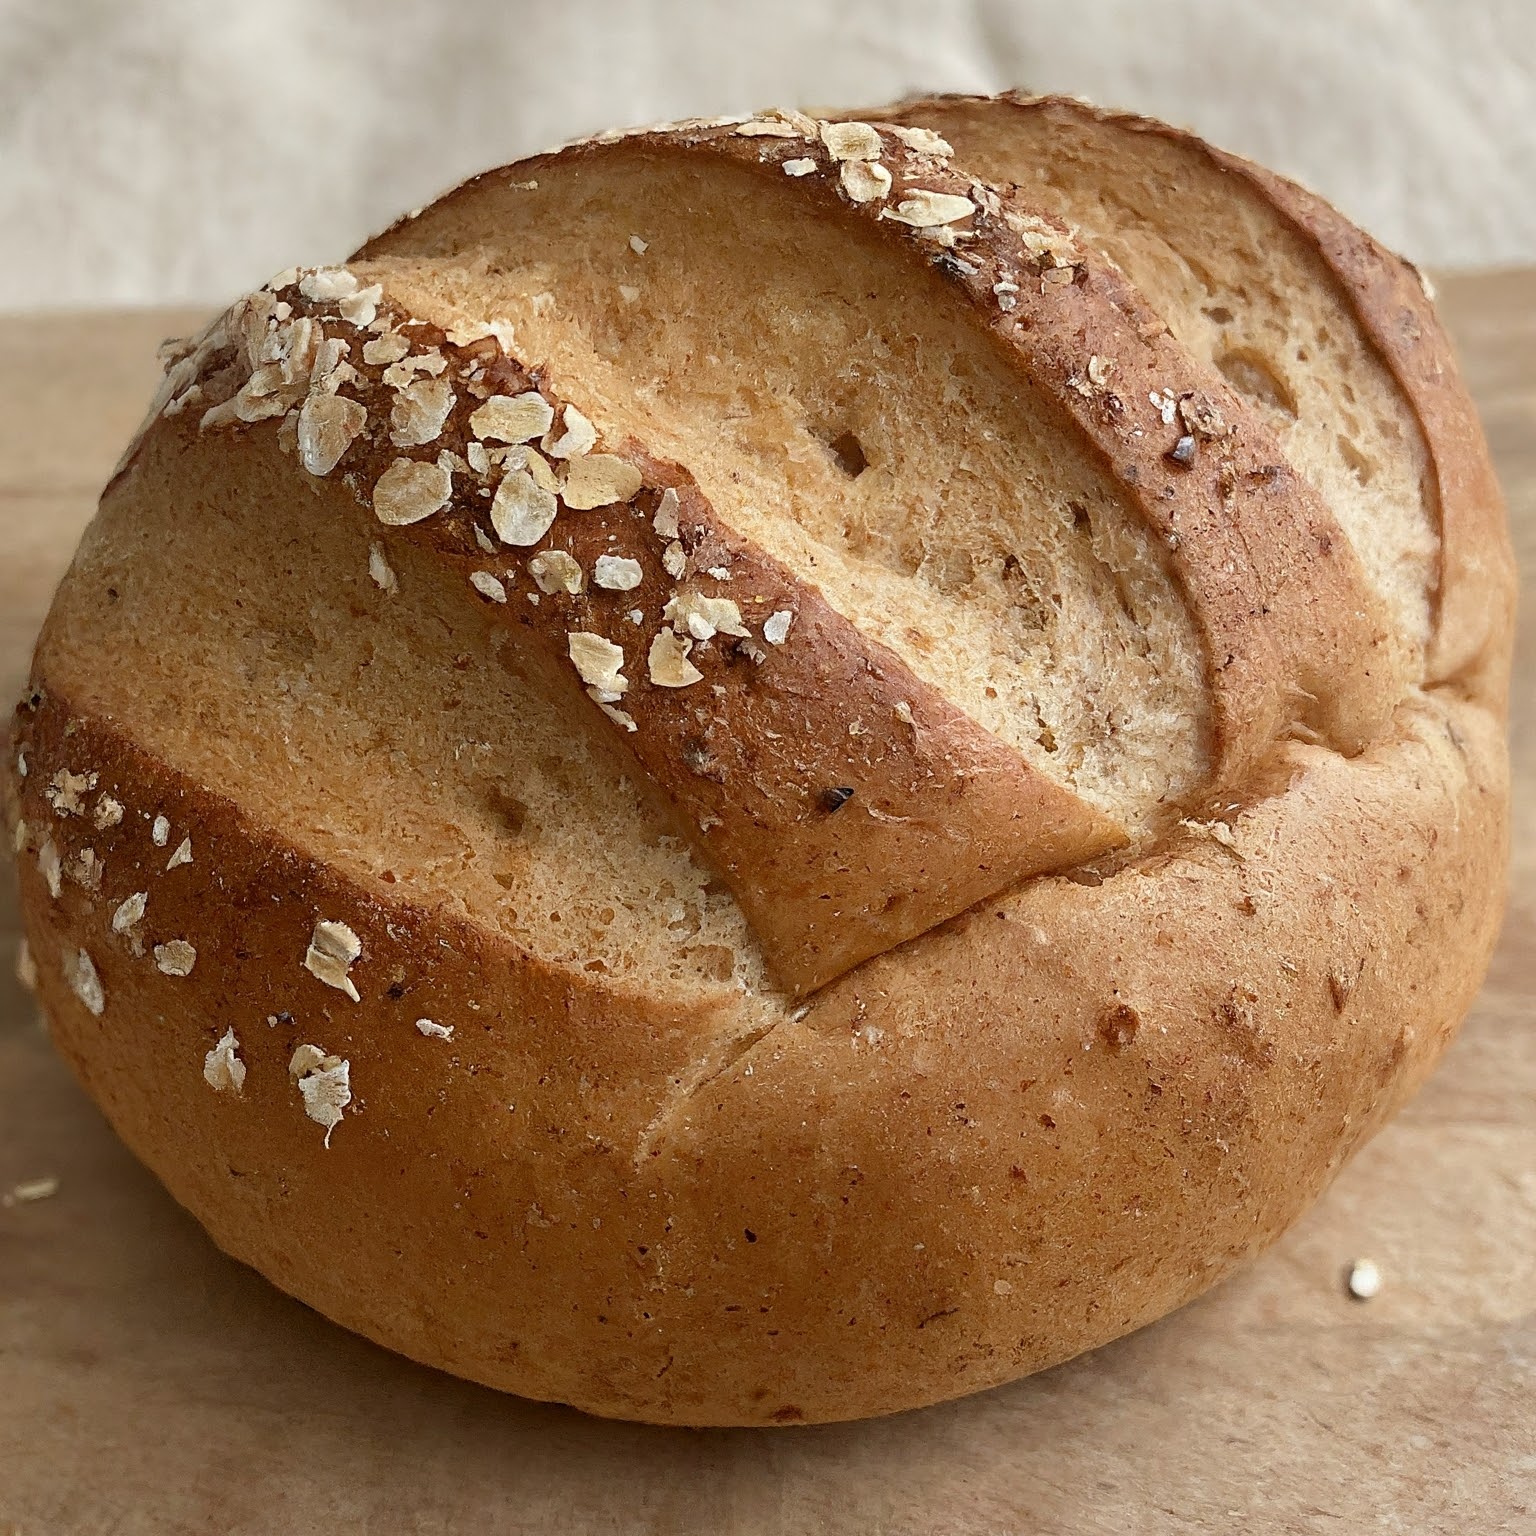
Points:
[774,769]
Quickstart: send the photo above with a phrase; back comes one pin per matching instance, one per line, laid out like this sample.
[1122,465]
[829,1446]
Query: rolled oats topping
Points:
[176,957]
[51,867]
[488,586]
[776,626]
[851,141]
[109,812]
[84,981]
[768,128]
[925,210]
[223,1070]
[130,912]
[556,570]
[328,425]
[513,418]
[65,790]
[617,573]
[410,491]
[577,436]
[865,181]
[523,511]
[182,855]
[419,411]
[386,349]
[305,1058]
[801,167]
[599,480]
[924,141]
[160,832]
[665,519]
[325,1086]
[381,572]
[667,663]
[704,617]
[598,661]
[328,283]
[333,948]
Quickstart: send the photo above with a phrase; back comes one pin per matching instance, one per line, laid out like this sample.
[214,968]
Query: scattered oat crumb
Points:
[51,867]
[851,141]
[1363,1280]
[665,521]
[182,855]
[488,586]
[1002,1288]
[223,1070]
[26,966]
[668,663]
[617,573]
[176,957]
[523,510]
[577,435]
[513,418]
[160,832]
[865,181]
[409,491]
[639,246]
[557,570]
[30,1190]
[928,210]
[333,948]
[599,479]
[81,974]
[598,661]
[129,912]
[434,1030]
[108,813]
[381,571]
[326,1088]
[776,626]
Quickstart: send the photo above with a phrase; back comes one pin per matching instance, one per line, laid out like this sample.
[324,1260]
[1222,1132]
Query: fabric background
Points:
[170,150]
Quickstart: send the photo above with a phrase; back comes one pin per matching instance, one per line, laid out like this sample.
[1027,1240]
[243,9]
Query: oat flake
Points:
[223,1070]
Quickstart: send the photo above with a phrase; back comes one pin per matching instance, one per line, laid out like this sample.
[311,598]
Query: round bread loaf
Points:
[775,769]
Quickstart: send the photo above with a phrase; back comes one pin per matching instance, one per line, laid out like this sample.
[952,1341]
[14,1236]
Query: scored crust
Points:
[1019,1134]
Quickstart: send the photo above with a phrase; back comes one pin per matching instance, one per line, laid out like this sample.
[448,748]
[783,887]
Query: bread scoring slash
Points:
[777,768]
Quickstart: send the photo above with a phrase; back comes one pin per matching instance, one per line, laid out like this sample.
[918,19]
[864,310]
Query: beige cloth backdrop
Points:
[166,150]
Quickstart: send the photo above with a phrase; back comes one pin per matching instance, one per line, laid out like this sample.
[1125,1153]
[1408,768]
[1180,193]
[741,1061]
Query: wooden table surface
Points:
[148,1384]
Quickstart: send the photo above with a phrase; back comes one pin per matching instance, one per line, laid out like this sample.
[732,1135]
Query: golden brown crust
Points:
[847,803]
[1395,309]
[1016,1136]
[1022,1136]
[1292,632]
